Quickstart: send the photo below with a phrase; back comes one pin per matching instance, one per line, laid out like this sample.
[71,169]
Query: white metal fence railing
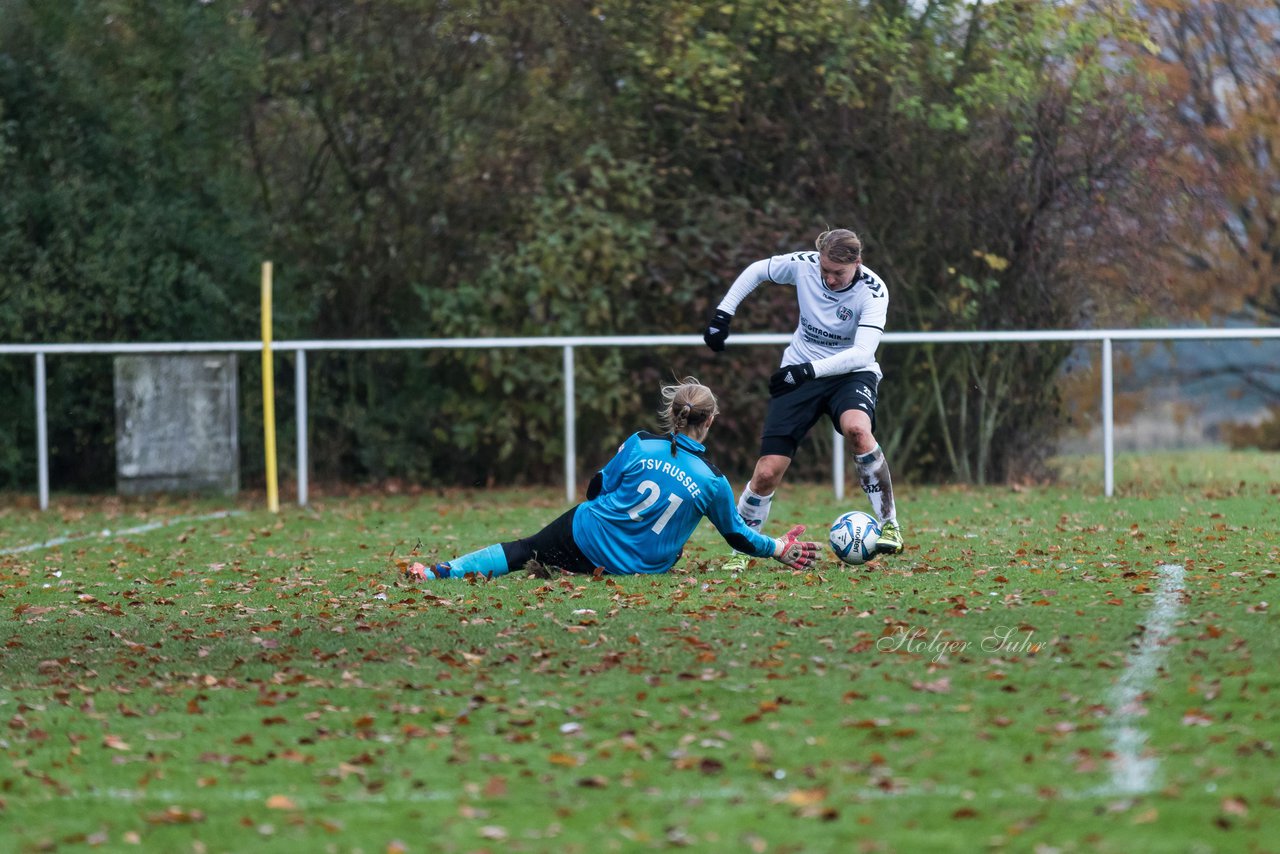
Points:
[568,344]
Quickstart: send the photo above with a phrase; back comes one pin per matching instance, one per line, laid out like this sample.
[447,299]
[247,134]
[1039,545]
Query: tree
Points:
[493,167]
[609,169]
[123,212]
[995,158]
[1224,58]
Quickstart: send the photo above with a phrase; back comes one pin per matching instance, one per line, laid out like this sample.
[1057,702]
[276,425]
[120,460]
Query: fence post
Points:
[42,434]
[1108,433]
[570,440]
[300,416]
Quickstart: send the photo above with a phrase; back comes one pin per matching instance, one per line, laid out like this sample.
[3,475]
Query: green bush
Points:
[418,169]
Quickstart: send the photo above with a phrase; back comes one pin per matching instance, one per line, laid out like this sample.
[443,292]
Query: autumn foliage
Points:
[469,169]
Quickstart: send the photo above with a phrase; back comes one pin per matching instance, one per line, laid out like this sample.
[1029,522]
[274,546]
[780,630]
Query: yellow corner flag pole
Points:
[269,393]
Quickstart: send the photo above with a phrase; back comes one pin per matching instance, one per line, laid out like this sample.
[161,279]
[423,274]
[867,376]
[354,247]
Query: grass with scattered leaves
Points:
[1043,668]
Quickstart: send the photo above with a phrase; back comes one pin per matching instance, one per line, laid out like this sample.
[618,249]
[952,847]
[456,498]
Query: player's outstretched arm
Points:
[791,551]
[716,332]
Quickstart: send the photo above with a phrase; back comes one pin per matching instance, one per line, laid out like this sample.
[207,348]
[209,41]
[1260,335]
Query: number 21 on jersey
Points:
[650,493]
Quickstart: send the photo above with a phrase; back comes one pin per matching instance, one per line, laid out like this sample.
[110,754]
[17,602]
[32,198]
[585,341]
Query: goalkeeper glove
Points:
[789,378]
[717,330]
[791,551]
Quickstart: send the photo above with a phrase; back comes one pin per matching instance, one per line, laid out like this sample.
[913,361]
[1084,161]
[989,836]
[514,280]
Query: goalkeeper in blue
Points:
[641,508]
[829,368]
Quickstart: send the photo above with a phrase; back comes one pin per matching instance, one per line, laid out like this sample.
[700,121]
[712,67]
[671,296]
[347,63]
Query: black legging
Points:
[552,546]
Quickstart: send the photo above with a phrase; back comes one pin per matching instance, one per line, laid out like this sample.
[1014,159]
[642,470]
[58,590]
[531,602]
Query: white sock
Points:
[873,473]
[754,508]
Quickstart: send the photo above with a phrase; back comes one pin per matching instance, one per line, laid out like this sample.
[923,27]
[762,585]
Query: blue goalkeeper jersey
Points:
[649,503]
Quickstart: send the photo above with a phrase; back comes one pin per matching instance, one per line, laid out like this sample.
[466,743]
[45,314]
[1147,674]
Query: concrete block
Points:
[176,424]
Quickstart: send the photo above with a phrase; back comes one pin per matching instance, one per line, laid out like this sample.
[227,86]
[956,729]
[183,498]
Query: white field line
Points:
[223,795]
[107,532]
[1132,772]
[211,797]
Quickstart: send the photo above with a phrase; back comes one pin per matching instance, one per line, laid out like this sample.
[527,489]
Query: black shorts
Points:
[552,546]
[792,414]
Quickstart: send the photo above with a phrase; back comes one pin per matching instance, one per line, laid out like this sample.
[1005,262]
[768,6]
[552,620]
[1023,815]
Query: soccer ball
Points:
[854,536]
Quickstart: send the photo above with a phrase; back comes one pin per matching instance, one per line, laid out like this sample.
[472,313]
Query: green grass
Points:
[260,682]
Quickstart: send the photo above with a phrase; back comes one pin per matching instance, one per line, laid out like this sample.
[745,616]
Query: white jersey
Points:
[839,331]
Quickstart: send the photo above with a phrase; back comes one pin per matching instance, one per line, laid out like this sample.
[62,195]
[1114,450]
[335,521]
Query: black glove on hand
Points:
[717,330]
[789,377]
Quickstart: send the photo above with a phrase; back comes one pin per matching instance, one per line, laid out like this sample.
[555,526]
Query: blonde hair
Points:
[840,245]
[687,408]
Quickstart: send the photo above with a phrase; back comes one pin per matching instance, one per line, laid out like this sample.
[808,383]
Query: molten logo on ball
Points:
[854,536]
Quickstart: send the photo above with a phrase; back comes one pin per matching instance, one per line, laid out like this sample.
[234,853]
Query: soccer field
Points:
[1044,669]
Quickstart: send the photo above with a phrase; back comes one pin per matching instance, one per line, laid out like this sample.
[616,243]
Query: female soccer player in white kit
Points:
[829,367]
